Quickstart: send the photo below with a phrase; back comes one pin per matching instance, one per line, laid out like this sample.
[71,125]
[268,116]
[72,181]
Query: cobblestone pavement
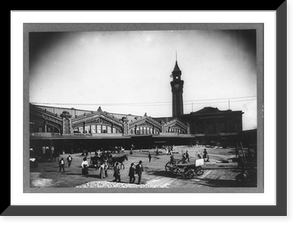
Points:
[157,183]
[216,172]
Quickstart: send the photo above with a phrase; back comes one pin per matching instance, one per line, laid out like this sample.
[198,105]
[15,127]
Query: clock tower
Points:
[177,89]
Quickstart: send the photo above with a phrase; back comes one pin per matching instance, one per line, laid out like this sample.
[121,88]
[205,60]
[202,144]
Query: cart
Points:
[94,162]
[186,170]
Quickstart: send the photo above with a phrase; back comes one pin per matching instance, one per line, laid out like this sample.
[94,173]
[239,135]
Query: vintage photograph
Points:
[155,110]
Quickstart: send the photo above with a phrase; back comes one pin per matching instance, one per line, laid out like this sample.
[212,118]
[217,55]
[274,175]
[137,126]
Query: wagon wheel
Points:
[176,171]
[180,161]
[199,170]
[169,166]
[189,174]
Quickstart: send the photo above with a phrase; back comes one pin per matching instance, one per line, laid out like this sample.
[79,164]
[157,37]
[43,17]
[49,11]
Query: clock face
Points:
[176,86]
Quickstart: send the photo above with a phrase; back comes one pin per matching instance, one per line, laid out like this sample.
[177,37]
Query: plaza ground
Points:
[219,172]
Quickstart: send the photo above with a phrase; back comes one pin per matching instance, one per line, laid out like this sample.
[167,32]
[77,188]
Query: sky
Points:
[129,71]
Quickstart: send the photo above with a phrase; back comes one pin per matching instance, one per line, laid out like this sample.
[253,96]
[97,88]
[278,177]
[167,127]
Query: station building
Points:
[71,129]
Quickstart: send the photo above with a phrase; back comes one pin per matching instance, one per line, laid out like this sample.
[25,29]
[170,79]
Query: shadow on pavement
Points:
[162,173]
[223,183]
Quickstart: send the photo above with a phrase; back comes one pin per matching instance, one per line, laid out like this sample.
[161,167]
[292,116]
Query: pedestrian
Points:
[131,148]
[187,156]
[139,170]
[101,168]
[167,150]
[61,164]
[117,174]
[85,167]
[69,159]
[156,150]
[172,160]
[52,154]
[131,173]
[199,156]
[44,150]
[236,152]
[205,155]
[183,158]
[44,153]
[149,156]
[105,168]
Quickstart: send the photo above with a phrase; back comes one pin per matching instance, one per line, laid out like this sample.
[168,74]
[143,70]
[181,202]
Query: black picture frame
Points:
[280,209]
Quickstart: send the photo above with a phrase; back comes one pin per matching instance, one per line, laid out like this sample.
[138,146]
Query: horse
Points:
[120,160]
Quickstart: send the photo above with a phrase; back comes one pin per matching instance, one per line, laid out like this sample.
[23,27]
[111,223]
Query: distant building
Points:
[213,126]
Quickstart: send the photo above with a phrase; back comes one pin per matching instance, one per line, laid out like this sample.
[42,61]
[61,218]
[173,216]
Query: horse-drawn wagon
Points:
[186,170]
[112,161]
[96,161]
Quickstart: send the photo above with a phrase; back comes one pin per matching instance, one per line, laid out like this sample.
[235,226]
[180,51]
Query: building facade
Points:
[206,125]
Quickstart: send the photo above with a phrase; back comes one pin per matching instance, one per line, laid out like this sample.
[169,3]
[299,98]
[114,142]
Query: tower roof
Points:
[176,68]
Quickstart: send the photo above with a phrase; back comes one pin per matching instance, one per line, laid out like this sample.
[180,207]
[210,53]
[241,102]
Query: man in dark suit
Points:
[131,173]
[139,170]
[117,174]
[61,165]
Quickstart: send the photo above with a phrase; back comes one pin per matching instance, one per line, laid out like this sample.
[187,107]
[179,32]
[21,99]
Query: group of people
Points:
[61,163]
[103,167]
[185,157]
[205,155]
[169,150]
[133,170]
[138,169]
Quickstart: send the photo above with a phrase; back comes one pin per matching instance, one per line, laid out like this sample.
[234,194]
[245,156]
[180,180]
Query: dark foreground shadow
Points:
[224,183]
[163,173]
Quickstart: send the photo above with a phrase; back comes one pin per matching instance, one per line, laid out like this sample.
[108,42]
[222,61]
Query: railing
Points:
[45,134]
[169,133]
[101,134]
[98,134]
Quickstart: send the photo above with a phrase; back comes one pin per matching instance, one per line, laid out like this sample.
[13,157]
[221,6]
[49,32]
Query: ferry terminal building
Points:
[72,130]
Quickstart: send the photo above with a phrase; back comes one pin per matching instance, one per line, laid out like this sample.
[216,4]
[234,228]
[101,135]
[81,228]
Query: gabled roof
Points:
[98,114]
[43,113]
[176,122]
[143,120]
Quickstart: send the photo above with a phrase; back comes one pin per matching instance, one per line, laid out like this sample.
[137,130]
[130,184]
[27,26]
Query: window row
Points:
[143,130]
[221,127]
[175,130]
[36,127]
[93,129]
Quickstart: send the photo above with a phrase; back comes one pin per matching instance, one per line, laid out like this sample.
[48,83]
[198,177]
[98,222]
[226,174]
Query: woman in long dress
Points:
[85,167]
